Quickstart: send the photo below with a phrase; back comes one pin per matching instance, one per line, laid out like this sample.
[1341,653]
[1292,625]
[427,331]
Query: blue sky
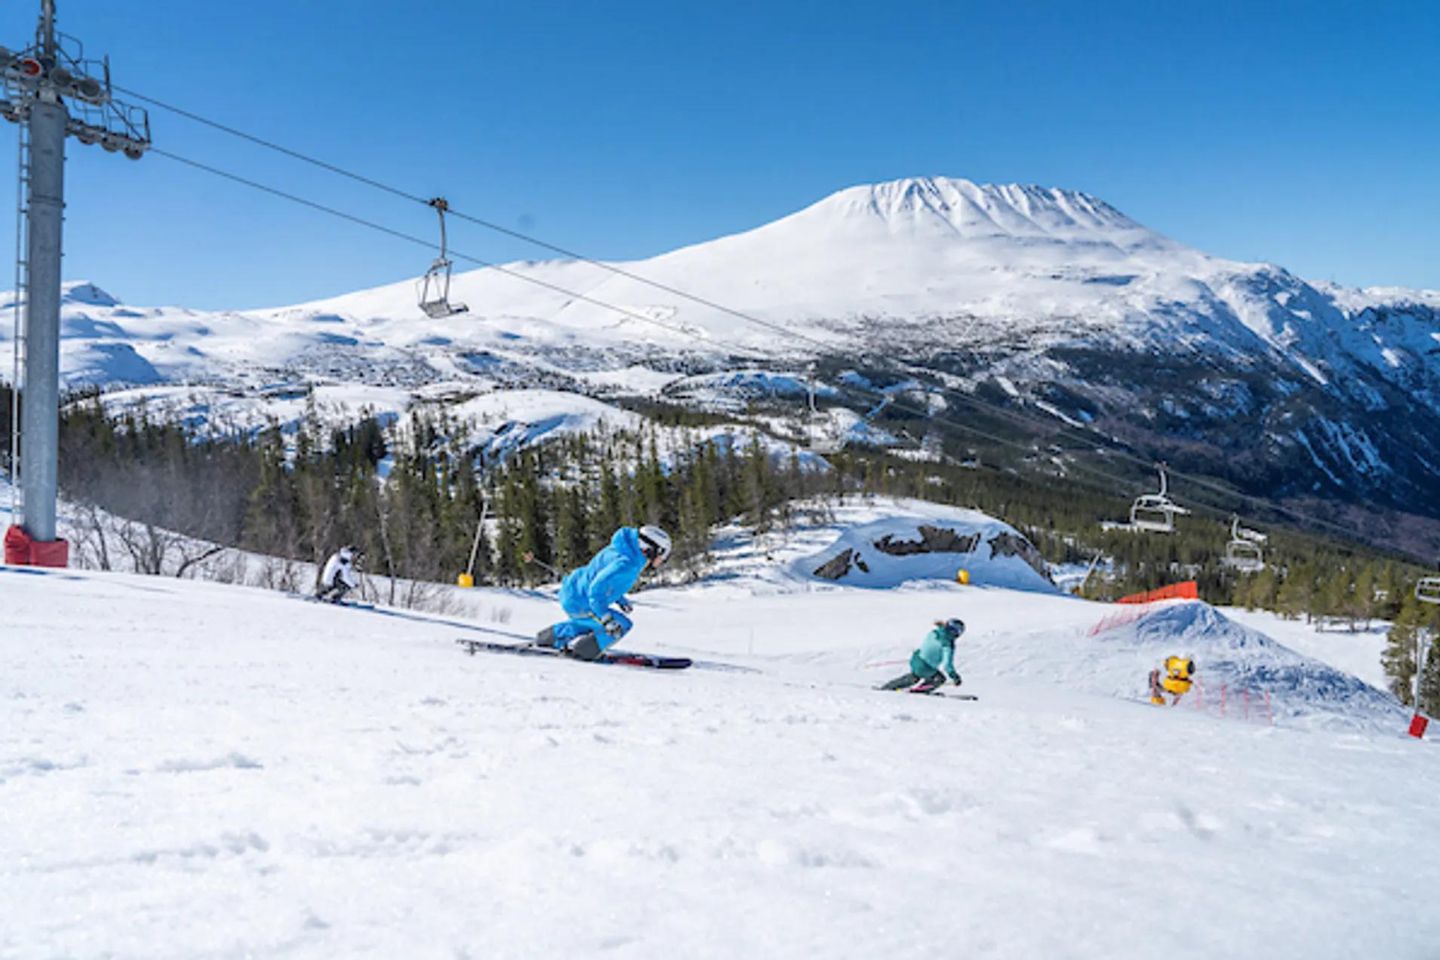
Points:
[1301,133]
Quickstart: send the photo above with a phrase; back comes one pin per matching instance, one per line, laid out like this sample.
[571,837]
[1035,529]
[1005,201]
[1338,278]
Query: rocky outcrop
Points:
[1014,545]
[932,540]
[836,567]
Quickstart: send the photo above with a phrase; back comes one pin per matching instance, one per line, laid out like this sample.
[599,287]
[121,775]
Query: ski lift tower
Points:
[52,91]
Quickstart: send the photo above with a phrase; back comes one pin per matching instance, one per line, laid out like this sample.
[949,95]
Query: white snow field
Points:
[196,770]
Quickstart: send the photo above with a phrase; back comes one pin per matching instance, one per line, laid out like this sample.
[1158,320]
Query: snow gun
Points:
[1178,677]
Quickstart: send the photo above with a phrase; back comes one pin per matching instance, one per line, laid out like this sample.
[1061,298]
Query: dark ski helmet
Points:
[954,626]
[655,544]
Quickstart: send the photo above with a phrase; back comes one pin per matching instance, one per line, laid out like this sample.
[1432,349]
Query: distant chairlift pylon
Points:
[823,445]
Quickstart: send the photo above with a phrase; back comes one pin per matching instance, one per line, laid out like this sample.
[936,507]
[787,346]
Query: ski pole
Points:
[530,558]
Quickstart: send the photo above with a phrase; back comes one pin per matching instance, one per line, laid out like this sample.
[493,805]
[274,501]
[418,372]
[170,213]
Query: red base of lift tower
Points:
[23,551]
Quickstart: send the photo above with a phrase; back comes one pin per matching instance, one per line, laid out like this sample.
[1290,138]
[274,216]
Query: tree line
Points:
[413,499]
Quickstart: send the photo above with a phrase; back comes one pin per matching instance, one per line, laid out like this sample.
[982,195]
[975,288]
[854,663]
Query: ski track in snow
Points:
[188,769]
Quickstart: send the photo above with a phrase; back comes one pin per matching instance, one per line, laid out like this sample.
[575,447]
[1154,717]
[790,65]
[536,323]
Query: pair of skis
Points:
[621,658]
[351,604]
[940,693]
[927,691]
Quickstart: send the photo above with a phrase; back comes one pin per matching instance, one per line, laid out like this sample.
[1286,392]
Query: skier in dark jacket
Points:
[594,595]
[934,661]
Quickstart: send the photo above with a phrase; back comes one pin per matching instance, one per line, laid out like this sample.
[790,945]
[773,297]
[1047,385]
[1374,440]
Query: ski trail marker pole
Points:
[467,579]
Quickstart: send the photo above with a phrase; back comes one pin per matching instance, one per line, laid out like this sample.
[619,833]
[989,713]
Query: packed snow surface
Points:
[189,769]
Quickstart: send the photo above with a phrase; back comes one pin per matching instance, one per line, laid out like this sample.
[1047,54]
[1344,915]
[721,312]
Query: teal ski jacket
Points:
[936,654]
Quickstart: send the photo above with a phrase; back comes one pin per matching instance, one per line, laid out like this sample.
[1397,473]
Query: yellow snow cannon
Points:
[1179,675]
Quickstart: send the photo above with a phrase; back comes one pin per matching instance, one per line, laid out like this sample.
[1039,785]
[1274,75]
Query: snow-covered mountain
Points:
[1040,298]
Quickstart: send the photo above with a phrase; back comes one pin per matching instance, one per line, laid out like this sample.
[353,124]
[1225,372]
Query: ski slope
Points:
[190,769]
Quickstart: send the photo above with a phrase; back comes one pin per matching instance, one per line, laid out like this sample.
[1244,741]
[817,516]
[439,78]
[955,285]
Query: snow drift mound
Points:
[893,550]
[1249,670]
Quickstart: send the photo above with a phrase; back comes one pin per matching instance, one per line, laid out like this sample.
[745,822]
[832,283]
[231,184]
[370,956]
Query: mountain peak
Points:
[83,291]
[986,210]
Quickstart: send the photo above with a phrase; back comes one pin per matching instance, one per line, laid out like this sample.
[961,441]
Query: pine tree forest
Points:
[413,500]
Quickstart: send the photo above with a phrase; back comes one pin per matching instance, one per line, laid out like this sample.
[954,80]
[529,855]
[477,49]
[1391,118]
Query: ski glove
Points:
[955,679]
[625,605]
[612,626]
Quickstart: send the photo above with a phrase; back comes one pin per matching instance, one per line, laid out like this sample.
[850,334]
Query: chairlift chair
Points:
[1427,590]
[1243,552]
[1156,512]
[435,285]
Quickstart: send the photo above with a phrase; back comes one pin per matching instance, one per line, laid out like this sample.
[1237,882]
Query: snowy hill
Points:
[190,768]
[1040,298]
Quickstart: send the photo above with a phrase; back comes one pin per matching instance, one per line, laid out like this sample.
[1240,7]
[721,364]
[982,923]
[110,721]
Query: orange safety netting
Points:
[1187,590]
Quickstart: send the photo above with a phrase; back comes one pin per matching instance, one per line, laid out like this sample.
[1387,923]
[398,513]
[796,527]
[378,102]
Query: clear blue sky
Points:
[1307,134]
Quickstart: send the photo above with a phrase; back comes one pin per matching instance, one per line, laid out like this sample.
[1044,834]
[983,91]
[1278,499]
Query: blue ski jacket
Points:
[605,579]
[936,654]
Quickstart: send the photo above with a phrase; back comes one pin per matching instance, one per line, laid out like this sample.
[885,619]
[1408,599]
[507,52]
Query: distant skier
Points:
[594,595]
[339,576]
[934,661]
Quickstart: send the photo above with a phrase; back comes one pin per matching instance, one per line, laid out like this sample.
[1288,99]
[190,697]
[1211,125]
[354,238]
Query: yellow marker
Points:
[465,580]
[962,576]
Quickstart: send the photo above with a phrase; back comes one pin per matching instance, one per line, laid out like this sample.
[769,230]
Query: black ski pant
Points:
[334,592]
[909,680]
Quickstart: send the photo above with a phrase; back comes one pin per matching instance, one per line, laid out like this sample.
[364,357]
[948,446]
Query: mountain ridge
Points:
[1244,371]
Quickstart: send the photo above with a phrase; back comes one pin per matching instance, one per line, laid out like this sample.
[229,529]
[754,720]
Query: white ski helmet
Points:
[655,543]
[347,554]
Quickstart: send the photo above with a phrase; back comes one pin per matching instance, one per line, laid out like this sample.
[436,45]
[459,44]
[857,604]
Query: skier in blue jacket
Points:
[594,595]
[934,661]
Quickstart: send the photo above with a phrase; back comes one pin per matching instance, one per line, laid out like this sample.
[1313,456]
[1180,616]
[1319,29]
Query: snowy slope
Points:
[1354,651]
[188,769]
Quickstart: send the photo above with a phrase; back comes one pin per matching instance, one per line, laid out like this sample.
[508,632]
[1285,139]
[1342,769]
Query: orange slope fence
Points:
[1187,590]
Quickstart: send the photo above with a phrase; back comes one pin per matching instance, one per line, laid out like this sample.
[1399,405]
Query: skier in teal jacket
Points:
[934,661]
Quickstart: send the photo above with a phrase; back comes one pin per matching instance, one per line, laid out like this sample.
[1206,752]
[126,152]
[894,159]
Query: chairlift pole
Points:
[35,83]
[40,413]
[1422,649]
[810,416]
